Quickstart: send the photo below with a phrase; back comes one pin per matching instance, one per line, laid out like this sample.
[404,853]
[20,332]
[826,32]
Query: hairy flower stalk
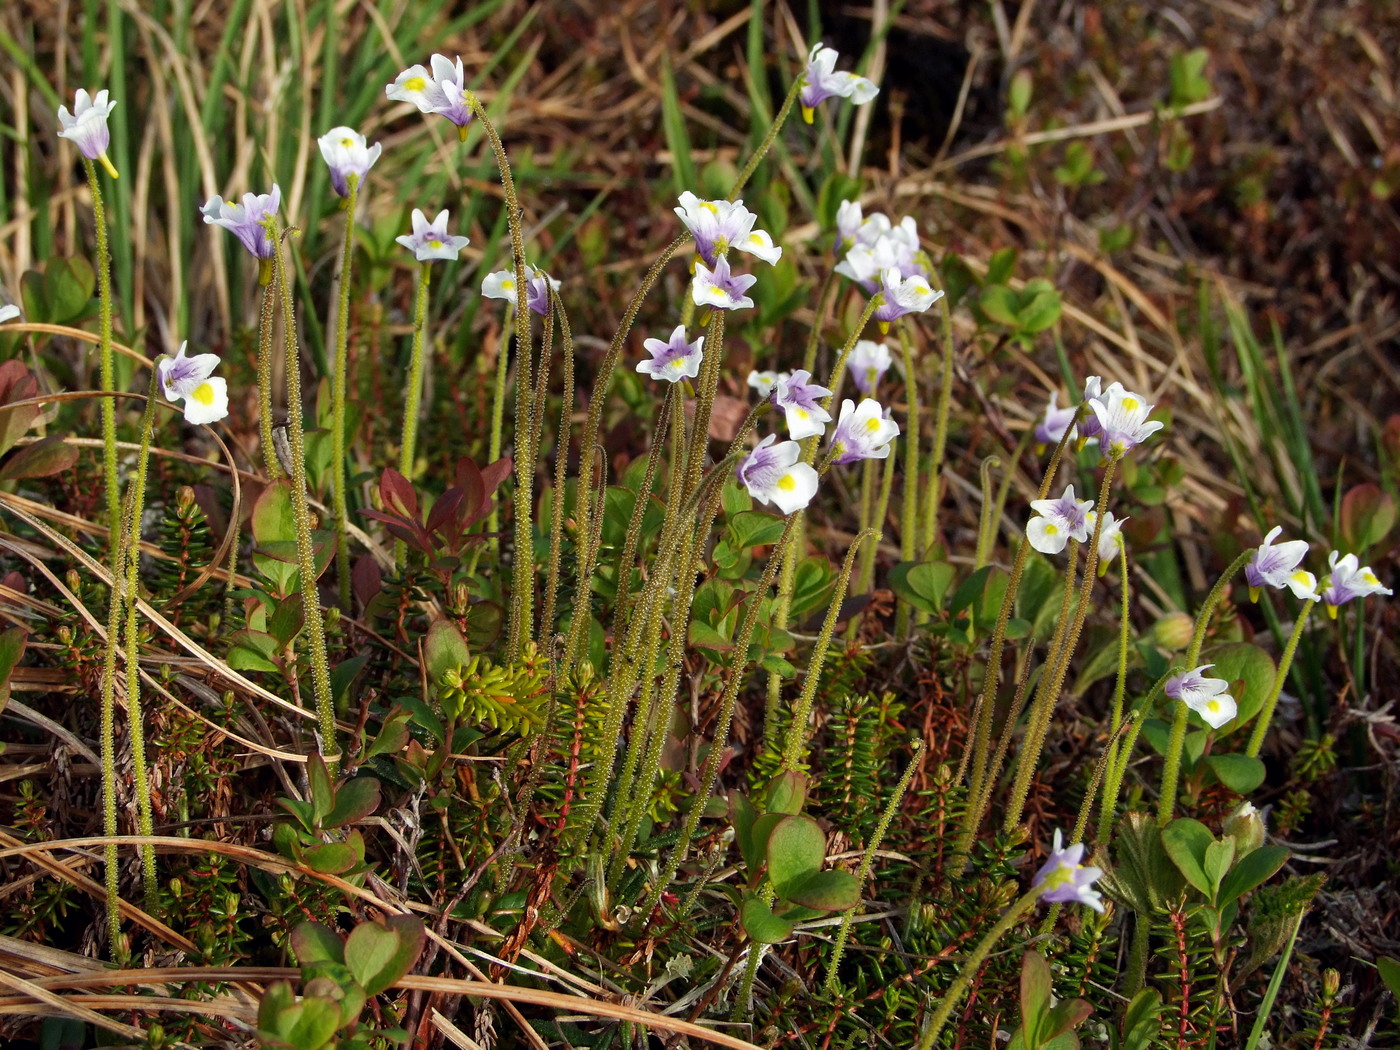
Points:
[408,443]
[1266,713]
[104,357]
[266,316]
[1171,766]
[940,424]
[301,511]
[909,517]
[339,376]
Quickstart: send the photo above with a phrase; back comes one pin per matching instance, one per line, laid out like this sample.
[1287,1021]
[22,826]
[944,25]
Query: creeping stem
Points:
[339,467]
[1166,802]
[104,351]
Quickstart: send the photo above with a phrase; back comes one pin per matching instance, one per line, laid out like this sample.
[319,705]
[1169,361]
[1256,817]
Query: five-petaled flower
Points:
[1057,521]
[903,295]
[1122,415]
[1276,565]
[674,360]
[821,82]
[862,432]
[443,91]
[719,287]
[798,397]
[1062,879]
[191,380]
[346,154]
[1051,429]
[718,226]
[868,363]
[430,240]
[773,474]
[1349,580]
[86,127]
[247,221]
[538,288]
[1206,696]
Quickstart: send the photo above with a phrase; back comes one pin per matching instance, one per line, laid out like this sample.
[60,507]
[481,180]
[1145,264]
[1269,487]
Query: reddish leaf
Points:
[397,494]
[45,457]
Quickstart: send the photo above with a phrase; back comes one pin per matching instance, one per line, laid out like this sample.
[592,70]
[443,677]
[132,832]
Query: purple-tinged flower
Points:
[86,127]
[903,295]
[443,91]
[430,240]
[245,221]
[1110,536]
[878,247]
[772,474]
[539,286]
[674,360]
[764,382]
[862,432]
[718,226]
[1206,696]
[721,288]
[849,220]
[1089,425]
[1276,565]
[8,312]
[1057,521]
[1051,429]
[188,379]
[346,154]
[1123,417]
[798,398]
[821,82]
[1349,580]
[1064,880]
[868,364]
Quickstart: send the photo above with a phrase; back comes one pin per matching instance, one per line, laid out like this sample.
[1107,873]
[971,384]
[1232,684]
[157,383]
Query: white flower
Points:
[862,432]
[764,382]
[718,226]
[1110,535]
[1276,565]
[1122,415]
[868,363]
[430,240]
[674,360]
[1206,696]
[538,288]
[904,295]
[8,313]
[772,474]
[443,91]
[1349,580]
[1062,879]
[719,287]
[86,126]
[797,397]
[821,81]
[346,154]
[1057,521]
[188,379]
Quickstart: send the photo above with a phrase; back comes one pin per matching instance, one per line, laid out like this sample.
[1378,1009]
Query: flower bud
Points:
[1247,828]
[1173,631]
[1331,982]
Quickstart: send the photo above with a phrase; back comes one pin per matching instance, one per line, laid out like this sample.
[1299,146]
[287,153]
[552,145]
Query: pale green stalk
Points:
[909,518]
[523,576]
[409,442]
[1172,765]
[1053,678]
[743,1000]
[301,514]
[940,426]
[108,735]
[865,577]
[867,861]
[498,419]
[561,476]
[1124,631]
[987,520]
[670,406]
[339,377]
[105,368]
[795,747]
[265,322]
[1266,713]
[970,967]
[1113,781]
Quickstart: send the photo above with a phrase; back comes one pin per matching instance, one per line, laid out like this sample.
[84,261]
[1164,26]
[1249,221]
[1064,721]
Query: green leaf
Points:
[761,924]
[1001,265]
[787,792]
[922,584]
[1140,1022]
[735,498]
[68,286]
[796,850]
[1253,869]
[322,788]
[354,800]
[378,954]
[1186,842]
[1390,973]
[42,459]
[1367,516]
[742,815]
[1242,662]
[273,520]
[811,586]
[12,643]
[1220,854]
[1240,773]
[444,649]
[392,738]
[330,858]
[1035,998]
[314,942]
[833,890]
[1000,305]
[673,123]
[753,528]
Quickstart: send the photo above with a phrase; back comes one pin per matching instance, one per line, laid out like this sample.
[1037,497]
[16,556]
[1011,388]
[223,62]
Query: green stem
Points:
[1266,713]
[561,476]
[105,365]
[1171,767]
[768,139]
[409,443]
[970,966]
[265,321]
[301,514]
[339,466]
[941,417]
[498,420]
[909,518]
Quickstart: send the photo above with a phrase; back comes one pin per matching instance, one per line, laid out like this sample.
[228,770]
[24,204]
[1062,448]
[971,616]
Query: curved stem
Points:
[339,466]
[768,139]
[265,319]
[1171,767]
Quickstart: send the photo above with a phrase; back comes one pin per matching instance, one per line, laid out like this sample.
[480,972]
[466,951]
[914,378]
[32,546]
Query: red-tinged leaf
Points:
[446,507]
[12,372]
[473,486]
[402,529]
[366,580]
[397,494]
[45,457]
[494,473]
[15,422]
